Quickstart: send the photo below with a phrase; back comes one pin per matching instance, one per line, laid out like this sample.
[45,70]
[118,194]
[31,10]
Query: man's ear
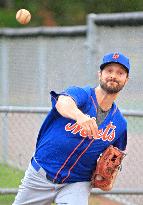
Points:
[99,74]
[127,79]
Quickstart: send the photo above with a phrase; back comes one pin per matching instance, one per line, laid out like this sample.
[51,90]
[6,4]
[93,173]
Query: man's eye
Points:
[109,71]
[120,73]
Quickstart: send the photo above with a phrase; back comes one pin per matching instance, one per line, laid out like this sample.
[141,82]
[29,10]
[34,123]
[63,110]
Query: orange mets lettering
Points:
[111,136]
[115,56]
[108,128]
[83,133]
[107,134]
[77,129]
[70,127]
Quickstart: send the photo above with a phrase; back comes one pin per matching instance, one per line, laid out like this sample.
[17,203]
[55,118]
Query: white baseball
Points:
[23,16]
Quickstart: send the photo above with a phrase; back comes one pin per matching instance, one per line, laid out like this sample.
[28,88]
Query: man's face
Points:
[113,78]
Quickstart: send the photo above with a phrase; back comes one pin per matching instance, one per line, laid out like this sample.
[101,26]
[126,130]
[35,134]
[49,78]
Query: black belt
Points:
[37,167]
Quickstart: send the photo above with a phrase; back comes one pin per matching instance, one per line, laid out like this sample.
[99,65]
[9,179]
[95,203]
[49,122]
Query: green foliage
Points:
[64,12]
[111,6]
[7,18]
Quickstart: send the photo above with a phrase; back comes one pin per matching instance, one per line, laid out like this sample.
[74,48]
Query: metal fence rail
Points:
[44,31]
[17,109]
[93,191]
[128,18]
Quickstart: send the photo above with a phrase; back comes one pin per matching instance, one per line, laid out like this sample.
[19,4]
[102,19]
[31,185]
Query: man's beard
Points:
[110,89]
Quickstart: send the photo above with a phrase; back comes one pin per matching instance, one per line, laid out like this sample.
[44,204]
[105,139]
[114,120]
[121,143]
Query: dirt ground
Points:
[101,200]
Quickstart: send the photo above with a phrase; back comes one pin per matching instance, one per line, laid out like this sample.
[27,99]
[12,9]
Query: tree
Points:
[6,3]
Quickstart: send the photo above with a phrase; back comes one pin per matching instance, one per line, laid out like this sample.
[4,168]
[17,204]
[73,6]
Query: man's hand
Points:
[88,124]
[67,107]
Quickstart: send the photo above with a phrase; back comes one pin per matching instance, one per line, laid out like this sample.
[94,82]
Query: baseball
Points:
[23,16]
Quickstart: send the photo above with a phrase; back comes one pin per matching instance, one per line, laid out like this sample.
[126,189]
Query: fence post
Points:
[5,94]
[4,71]
[42,55]
[91,43]
[5,138]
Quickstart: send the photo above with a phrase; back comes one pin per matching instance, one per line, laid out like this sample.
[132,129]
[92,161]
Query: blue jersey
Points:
[63,148]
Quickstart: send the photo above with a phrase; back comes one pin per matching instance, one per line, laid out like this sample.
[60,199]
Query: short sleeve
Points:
[121,142]
[79,95]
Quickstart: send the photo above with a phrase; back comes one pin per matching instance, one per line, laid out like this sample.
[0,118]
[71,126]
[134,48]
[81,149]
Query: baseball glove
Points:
[108,163]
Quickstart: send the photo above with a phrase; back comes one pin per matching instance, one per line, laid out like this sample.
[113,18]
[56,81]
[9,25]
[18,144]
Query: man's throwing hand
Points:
[88,124]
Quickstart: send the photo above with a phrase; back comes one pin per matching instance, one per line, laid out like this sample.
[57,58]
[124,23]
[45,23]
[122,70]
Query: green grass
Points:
[9,178]
[6,199]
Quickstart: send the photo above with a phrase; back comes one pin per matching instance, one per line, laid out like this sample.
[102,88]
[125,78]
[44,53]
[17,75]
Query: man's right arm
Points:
[67,107]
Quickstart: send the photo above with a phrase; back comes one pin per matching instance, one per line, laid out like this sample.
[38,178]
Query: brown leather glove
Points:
[108,163]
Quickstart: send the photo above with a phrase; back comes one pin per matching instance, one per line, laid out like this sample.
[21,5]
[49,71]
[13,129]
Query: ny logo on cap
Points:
[115,56]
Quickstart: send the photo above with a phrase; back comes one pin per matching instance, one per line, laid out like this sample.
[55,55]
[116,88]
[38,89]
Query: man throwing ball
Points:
[82,124]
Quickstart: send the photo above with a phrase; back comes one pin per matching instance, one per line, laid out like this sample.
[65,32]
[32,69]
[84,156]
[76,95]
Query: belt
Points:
[37,167]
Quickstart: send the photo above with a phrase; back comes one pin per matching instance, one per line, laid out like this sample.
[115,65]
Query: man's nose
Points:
[113,75]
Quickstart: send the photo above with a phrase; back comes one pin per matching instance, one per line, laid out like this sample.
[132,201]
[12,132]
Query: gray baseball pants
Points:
[37,190]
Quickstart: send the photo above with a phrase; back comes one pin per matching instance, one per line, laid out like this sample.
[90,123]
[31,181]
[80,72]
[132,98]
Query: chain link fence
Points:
[118,32]
[18,137]
[36,60]
[19,129]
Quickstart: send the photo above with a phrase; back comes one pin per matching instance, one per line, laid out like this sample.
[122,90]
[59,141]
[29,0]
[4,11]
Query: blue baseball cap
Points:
[116,58]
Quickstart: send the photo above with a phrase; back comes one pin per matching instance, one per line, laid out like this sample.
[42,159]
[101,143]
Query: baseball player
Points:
[82,123]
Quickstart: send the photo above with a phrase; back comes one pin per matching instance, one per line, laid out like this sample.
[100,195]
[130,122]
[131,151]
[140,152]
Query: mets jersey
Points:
[63,148]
